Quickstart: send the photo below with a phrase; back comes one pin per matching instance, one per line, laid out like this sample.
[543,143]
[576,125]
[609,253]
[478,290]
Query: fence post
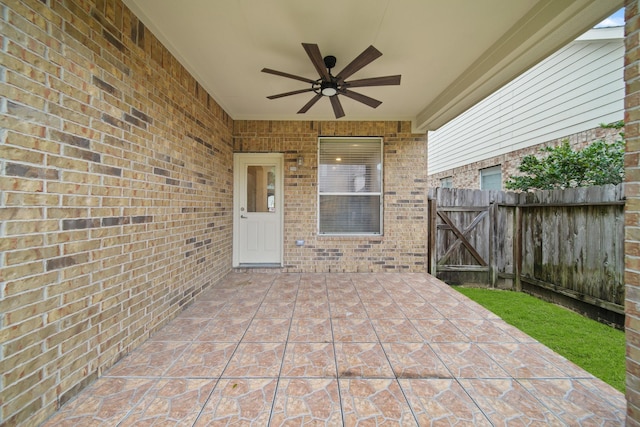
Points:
[517,247]
[433,206]
[493,219]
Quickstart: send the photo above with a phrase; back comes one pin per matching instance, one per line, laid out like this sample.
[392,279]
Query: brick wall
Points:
[632,208]
[115,194]
[468,176]
[403,246]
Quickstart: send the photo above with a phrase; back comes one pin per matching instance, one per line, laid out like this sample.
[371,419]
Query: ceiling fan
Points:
[331,86]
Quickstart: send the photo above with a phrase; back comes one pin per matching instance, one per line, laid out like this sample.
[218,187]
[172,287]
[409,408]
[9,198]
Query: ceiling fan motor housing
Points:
[329,88]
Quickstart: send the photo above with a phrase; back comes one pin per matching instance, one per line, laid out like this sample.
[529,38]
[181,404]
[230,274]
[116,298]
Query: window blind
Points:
[491,178]
[350,186]
[350,168]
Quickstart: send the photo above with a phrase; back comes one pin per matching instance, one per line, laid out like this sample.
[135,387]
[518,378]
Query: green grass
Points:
[595,347]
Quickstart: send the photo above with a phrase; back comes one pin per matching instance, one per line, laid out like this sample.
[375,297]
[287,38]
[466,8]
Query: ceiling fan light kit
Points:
[328,88]
[331,86]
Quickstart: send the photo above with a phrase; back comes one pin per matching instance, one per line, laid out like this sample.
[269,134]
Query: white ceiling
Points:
[450,53]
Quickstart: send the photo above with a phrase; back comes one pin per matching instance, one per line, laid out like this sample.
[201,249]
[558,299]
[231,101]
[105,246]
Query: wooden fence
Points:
[565,245]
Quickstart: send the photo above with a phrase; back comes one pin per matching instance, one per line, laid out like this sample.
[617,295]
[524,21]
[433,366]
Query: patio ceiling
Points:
[451,54]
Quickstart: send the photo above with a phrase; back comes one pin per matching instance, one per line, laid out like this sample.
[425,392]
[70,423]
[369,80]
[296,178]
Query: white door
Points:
[258,209]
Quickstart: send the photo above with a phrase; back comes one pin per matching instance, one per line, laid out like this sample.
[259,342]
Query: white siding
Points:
[576,89]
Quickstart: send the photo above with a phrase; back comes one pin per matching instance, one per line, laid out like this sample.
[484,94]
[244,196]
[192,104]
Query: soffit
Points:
[451,54]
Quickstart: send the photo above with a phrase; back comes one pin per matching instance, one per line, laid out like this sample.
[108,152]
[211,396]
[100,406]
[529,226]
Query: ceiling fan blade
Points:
[293,92]
[290,76]
[309,104]
[369,55]
[316,58]
[337,106]
[373,103]
[375,81]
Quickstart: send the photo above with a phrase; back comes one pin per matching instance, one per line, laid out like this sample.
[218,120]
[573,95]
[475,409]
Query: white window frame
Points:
[351,140]
[448,180]
[490,171]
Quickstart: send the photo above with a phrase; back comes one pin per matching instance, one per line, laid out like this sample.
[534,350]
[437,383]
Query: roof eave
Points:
[549,26]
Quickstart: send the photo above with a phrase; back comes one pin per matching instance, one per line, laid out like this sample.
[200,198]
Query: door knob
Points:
[242,216]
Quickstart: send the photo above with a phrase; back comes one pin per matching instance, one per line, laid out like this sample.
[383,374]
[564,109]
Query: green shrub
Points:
[599,163]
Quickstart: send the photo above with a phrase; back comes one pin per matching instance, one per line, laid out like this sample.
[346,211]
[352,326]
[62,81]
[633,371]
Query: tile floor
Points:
[341,349]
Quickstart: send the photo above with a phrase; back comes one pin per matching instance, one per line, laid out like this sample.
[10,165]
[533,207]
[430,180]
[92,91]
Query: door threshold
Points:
[260,265]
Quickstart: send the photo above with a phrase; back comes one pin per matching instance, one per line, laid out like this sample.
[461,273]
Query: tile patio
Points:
[341,349]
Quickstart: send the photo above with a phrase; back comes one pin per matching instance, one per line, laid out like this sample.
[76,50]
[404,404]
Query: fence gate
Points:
[460,236]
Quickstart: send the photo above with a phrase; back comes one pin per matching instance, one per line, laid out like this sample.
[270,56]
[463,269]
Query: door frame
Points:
[238,160]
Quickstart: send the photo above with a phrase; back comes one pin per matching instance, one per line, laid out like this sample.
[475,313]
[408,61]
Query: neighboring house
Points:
[568,95]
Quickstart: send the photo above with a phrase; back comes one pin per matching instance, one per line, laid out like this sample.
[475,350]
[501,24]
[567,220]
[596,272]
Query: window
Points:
[446,182]
[491,178]
[350,186]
